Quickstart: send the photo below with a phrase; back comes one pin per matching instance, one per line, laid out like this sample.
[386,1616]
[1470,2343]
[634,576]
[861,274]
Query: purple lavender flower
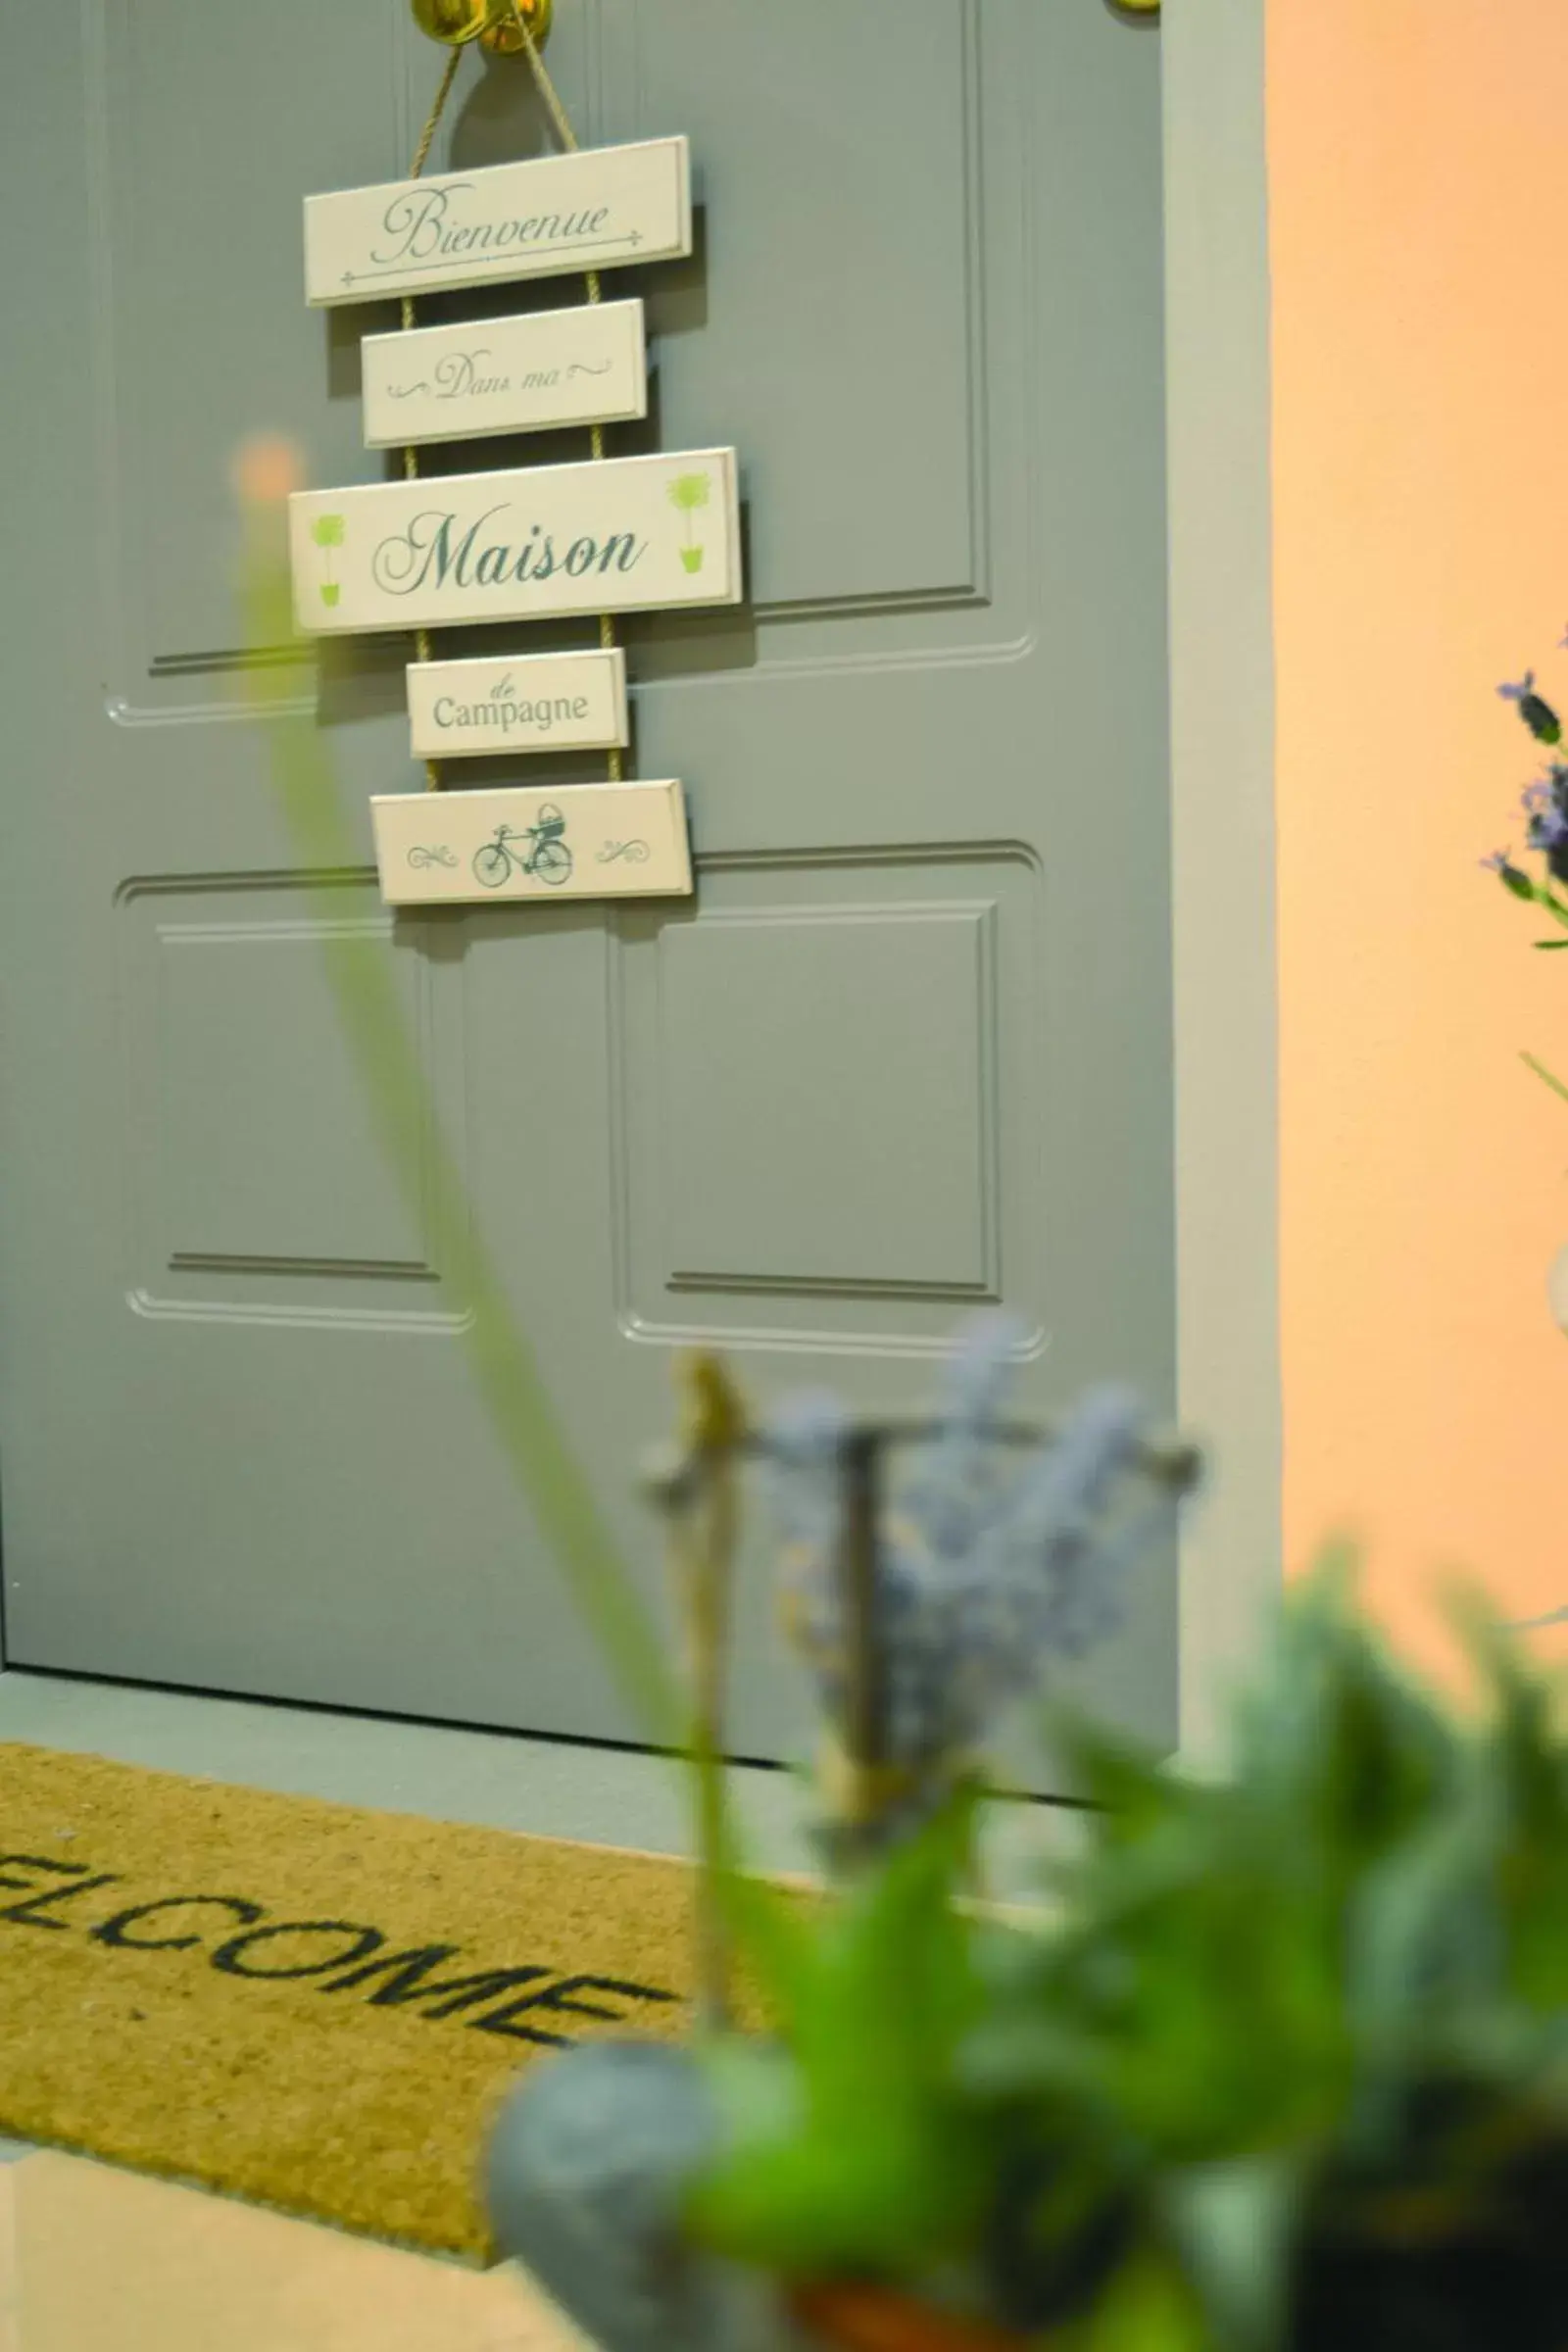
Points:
[1546,809]
[984,1570]
[1053,1565]
[1537,715]
[954,1490]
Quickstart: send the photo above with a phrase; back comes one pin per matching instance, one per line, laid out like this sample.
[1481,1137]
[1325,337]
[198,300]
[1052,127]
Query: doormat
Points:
[306,2004]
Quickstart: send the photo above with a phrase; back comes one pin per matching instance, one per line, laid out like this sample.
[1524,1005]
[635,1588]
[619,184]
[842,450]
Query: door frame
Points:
[1225,992]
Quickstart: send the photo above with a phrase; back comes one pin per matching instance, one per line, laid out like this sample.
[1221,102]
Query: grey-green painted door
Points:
[907,1051]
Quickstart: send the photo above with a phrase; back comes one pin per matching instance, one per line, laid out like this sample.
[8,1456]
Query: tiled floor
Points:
[96,2260]
[93,2259]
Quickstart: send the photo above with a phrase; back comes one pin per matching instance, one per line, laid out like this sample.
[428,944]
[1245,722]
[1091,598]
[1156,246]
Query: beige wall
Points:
[1419,194]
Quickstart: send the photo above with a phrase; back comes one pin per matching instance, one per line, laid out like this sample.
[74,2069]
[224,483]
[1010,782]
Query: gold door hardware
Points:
[493,23]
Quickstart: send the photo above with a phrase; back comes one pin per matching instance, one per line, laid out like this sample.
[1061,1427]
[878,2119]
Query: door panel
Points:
[906,1051]
[835,290]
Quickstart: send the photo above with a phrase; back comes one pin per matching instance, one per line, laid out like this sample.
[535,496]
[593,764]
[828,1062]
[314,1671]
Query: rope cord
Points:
[411,456]
[560,122]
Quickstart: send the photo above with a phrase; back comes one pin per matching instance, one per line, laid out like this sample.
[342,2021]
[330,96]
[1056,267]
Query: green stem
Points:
[1544,1075]
[520,1407]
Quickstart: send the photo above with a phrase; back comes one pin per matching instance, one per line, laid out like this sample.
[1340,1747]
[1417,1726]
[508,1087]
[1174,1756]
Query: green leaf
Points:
[778,1939]
[1148,2307]
[1334,1736]
[1524,1769]
[1125,1780]
[1544,1075]
[867,2161]
[1423,1943]
[1546,946]
[1235,2225]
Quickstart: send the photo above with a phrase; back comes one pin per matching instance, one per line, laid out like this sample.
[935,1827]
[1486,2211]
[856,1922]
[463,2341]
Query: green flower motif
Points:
[688,493]
[327,533]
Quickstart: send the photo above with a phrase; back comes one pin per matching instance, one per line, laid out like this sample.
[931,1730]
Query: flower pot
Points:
[850,2318]
[692,558]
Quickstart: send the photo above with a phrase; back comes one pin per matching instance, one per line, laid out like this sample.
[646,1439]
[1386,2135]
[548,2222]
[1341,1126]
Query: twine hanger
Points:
[513,19]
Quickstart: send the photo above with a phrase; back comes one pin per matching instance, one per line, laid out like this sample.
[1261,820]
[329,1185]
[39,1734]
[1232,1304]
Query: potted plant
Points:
[924,1601]
[1280,2066]
[1286,2066]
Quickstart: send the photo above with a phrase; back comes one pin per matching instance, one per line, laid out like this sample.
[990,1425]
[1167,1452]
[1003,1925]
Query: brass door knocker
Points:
[493,23]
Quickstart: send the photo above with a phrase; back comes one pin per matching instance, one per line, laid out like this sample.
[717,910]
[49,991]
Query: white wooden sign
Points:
[531,703]
[580,840]
[586,366]
[626,535]
[594,210]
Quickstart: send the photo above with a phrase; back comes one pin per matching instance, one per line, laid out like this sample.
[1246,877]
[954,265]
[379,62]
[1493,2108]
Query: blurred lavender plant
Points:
[1535,712]
[1543,806]
[985,1569]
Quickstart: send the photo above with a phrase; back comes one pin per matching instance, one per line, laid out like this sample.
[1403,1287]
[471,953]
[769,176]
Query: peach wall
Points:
[1420,253]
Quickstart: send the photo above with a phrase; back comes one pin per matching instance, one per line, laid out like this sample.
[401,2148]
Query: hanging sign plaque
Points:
[579,841]
[597,209]
[526,703]
[625,535]
[585,366]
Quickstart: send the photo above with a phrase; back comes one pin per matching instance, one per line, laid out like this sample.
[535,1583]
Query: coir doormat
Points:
[303,2003]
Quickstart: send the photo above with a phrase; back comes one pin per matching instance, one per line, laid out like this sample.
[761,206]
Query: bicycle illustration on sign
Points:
[537,851]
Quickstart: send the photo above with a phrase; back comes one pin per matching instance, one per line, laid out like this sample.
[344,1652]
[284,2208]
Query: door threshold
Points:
[534,1785]
[502,1780]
